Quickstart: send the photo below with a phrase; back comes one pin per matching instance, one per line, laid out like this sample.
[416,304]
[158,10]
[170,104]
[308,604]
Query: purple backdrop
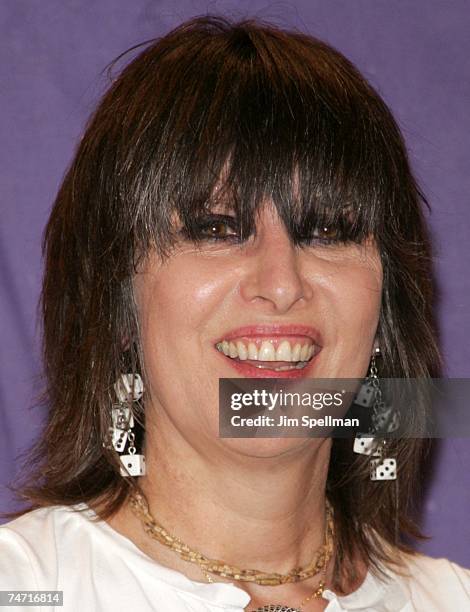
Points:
[415,52]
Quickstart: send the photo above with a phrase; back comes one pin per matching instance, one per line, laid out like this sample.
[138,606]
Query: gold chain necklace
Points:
[139,506]
[318,592]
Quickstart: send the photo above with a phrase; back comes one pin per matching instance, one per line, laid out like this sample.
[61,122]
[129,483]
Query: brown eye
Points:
[325,234]
[219,229]
[216,227]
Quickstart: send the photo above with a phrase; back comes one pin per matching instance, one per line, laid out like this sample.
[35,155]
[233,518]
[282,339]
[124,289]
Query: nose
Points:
[274,279]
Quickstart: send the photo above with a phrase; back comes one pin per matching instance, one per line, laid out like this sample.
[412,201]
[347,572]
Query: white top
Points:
[98,569]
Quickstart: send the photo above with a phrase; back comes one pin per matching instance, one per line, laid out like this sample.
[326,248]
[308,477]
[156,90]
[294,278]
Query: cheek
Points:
[352,305]
[363,291]
[358,291]
[186,298]
[175,303]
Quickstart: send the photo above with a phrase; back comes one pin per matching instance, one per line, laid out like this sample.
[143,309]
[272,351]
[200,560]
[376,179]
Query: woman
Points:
[241,205]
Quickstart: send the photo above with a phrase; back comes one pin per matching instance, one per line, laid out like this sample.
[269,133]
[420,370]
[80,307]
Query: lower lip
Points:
[249,371]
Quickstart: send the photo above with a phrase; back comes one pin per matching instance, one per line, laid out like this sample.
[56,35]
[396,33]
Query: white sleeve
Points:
[439,584]
[16,566]
[462,576]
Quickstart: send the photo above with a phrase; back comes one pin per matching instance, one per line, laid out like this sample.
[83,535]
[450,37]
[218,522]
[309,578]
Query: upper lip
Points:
[270,330]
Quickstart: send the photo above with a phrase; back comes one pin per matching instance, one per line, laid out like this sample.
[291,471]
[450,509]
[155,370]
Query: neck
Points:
[265,513]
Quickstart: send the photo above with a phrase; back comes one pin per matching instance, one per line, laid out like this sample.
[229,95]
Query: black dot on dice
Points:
[382,473]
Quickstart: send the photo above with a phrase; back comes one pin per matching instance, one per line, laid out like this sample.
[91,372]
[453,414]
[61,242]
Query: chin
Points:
[266,447]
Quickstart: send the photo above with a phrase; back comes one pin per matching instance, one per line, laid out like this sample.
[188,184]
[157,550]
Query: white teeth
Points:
[304,353]
[284,352]
[252,351]
[233,350]
[296,352]
[242,352]
[266,352]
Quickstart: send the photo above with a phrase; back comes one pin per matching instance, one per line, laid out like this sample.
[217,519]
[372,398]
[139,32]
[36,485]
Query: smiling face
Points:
[273,304]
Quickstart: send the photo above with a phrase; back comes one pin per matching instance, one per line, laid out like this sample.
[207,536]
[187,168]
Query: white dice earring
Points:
[129,388]
[384,418]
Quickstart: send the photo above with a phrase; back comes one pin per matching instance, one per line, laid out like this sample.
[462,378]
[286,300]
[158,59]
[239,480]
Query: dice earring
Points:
[384,418]
[129,388]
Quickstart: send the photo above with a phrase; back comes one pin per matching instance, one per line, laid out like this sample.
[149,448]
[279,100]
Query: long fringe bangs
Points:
[248,118]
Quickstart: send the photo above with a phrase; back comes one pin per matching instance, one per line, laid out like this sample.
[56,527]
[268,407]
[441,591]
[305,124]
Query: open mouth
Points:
[276,356]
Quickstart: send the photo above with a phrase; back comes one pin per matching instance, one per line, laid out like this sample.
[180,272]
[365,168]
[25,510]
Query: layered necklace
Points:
[318,565]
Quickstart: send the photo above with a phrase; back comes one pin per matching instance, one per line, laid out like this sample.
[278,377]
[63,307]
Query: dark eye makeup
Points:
[217,228]
[212,227]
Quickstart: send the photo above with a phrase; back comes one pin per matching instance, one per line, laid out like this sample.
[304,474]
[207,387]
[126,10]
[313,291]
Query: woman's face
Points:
[260,301]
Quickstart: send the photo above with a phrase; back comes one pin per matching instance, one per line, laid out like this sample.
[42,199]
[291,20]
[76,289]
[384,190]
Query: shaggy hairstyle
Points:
[275,114]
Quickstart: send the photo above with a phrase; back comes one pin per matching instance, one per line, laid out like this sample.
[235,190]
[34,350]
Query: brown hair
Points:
[274,105]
